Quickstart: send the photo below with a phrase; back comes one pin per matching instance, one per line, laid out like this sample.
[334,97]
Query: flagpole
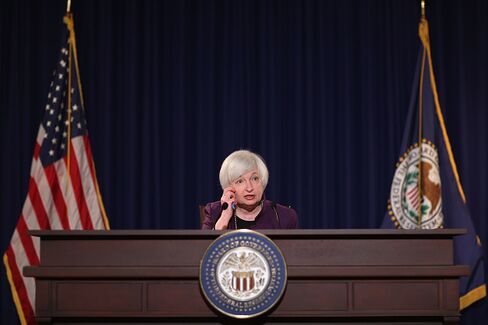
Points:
[424,36]
[68,20]
[70,71]
[73,64]
[419,183]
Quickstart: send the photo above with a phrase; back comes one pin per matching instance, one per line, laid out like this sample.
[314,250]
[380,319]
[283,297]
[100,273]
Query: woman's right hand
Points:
[229,197]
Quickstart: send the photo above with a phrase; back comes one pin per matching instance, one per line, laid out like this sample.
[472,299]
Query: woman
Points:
[243,177]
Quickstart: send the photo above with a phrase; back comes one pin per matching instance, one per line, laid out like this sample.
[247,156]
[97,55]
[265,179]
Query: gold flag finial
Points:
[422,7]
[68,6]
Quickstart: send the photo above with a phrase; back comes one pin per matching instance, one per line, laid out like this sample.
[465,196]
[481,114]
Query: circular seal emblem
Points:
[243,274]
[405,199]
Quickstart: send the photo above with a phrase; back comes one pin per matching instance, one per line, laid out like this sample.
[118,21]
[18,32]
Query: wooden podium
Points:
[334,277]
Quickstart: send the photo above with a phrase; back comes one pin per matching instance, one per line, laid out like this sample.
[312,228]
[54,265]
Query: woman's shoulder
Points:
[281,207]
[287,215]
[213,205]
[211,213]
[213,209]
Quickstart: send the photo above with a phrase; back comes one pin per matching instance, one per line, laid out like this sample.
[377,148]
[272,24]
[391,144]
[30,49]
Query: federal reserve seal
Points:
[243,274]
[406,201]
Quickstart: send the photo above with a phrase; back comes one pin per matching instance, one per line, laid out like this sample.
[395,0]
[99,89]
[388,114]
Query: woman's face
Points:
[249,189]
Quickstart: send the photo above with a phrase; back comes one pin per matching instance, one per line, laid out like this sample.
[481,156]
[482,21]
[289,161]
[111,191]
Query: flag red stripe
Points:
[38,206]
[415,200]
[78,191]
[20,287]
[413,190]
[37,150]
[57,194]
[27,242]
[91,164]
[414,194]
[90,159]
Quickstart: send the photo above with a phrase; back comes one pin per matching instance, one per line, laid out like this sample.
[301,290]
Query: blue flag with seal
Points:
[426,192]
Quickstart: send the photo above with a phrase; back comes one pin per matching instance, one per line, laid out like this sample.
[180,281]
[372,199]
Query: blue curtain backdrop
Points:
[319,88]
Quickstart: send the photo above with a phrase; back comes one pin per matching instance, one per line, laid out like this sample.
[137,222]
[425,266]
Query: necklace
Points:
[235,216]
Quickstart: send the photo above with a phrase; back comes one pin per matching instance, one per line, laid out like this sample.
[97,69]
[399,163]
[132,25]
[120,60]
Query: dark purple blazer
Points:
[283,218]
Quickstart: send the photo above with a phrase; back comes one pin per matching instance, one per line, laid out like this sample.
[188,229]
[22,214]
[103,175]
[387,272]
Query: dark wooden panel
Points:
[451,289]
[116,252]
[188,252]
[396,296]
[43,297]
[313,298]
[376,271]
[176,298]
[368,252]
[87,298]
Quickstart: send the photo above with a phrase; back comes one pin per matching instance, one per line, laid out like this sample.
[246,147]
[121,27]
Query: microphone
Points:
[273,206]
[225,205]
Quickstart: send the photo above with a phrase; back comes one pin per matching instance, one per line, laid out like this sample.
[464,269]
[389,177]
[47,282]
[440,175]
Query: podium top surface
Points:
[273,233]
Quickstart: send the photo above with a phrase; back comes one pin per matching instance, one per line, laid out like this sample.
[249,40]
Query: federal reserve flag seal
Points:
[407,202]
[243,274]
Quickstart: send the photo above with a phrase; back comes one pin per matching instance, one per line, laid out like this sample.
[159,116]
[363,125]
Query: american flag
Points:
[63,188]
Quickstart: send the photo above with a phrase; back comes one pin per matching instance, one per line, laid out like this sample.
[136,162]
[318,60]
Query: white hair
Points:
[240,162]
